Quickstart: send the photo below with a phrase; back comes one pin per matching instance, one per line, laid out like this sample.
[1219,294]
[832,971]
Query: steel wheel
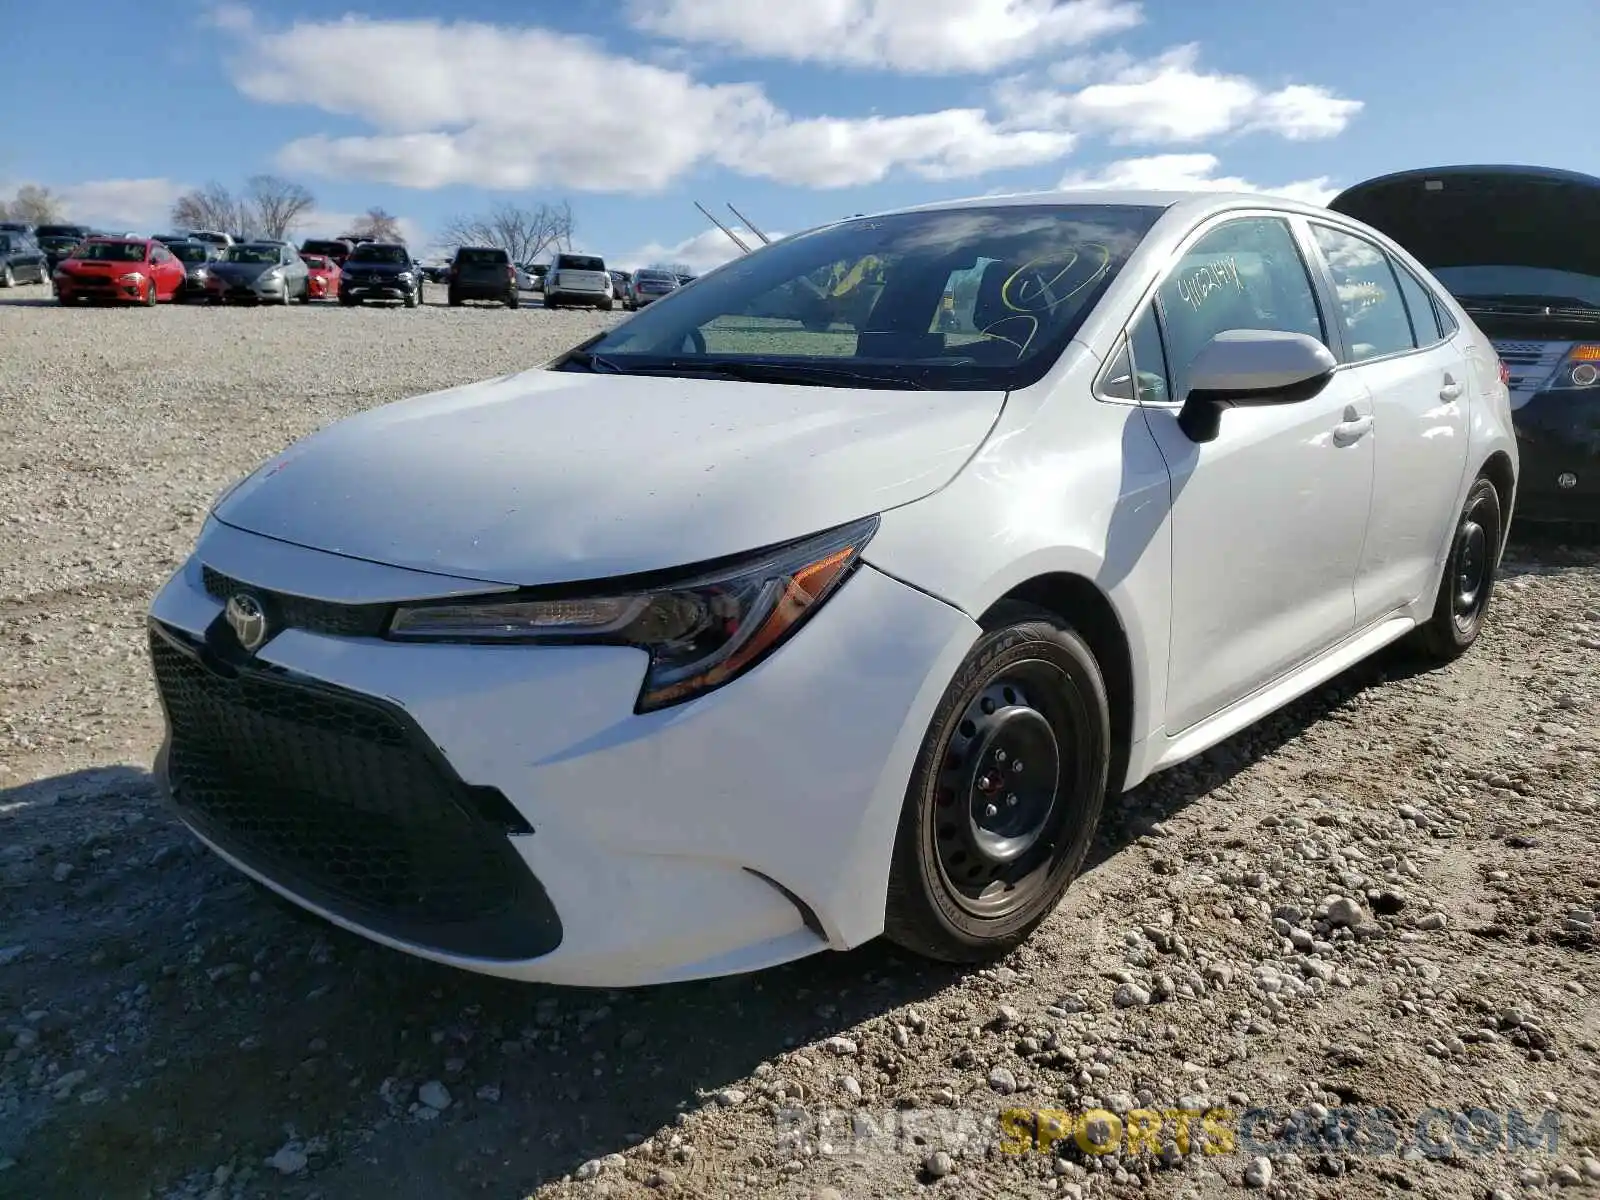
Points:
[1468,579]
[1008,789]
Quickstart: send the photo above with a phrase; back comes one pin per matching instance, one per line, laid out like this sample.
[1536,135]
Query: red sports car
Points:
[129,270]
[323,281]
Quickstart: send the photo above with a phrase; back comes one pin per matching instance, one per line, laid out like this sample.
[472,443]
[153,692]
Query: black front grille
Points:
[342,800]
[299,612]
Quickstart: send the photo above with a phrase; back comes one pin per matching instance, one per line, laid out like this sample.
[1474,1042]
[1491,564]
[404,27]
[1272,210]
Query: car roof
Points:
[1458,170]
[1195,202]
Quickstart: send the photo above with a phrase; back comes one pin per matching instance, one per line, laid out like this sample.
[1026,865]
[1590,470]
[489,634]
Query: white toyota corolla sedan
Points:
[829,597]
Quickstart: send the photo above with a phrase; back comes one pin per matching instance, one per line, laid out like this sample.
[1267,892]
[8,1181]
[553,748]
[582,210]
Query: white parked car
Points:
[742,632]
[578,279]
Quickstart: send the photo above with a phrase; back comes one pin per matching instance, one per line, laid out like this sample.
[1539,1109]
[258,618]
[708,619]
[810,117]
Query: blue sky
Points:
[632,109]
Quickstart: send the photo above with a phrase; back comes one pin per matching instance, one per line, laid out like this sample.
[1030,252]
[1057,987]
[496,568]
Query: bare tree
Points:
[275,205]
[523,233]
[34,204]
[211,207]
[377,224]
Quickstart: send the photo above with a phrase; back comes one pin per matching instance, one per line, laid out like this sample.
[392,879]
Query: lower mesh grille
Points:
[340,799]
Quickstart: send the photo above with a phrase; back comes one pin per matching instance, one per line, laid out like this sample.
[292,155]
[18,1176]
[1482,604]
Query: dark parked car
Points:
[482,273]
[21,260]
[1519,247]
[196,257]
[381,271]
[337,249]
[16,227]
[648,286]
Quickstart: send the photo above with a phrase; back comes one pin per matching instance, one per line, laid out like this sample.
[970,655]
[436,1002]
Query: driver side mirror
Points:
[1251,367]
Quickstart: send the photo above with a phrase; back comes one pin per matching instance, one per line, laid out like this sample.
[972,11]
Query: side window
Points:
[1116,380]
[1370,306]
[1245,274]
[1447,323]
[1419,304]
[1149,358]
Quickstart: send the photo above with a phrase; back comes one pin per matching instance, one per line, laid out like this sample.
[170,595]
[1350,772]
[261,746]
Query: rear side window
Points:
[1244,274]
[1419,305]
[1370,305]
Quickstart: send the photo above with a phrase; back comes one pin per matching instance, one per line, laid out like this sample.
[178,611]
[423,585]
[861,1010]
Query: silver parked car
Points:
[264,272]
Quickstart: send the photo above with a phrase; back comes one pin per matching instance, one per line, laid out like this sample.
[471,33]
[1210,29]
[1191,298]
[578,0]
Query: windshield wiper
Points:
[761,372]
[597,363]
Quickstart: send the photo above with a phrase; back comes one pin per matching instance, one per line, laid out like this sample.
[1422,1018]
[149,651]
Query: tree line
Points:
[269,206]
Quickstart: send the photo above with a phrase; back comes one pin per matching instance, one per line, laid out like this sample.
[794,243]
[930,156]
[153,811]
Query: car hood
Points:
[1478,216]
[556,476]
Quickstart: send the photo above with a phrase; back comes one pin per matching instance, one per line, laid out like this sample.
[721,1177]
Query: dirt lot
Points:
[1380,901]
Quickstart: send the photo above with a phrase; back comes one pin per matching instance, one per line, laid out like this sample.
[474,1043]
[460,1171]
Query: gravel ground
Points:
[1381,898]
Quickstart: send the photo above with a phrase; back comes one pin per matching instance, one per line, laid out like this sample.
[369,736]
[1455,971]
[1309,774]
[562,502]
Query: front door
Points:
[1268,518]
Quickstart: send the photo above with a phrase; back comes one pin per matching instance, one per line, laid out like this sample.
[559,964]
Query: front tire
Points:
[7,279]
[1006,794]
[1468,580]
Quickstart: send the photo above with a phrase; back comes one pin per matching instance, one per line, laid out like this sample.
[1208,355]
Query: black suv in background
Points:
[1519,248]
[380,271]
[482,273]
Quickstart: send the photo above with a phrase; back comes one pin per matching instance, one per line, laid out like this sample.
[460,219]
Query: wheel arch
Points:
[1079,602]
[1500,472]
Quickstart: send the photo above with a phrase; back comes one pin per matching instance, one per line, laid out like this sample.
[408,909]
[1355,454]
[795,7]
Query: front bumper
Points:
[744,829]
[1558,435]
[236,290]
[94,288]
[380,289]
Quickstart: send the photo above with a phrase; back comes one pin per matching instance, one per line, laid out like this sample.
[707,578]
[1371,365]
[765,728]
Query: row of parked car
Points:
[85,265]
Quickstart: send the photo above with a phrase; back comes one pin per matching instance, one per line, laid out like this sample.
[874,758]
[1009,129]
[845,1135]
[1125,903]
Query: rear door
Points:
[1419,379]
[483,268]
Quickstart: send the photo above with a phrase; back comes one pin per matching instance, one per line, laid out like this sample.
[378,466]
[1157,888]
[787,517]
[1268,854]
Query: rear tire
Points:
[987,846]
[453,299]
[513,300]
[1468,578]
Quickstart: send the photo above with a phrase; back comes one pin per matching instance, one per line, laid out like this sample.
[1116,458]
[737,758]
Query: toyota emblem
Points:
[247,619]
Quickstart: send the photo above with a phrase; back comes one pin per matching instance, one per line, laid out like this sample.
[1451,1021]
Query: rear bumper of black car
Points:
[1558,445]
[483,289]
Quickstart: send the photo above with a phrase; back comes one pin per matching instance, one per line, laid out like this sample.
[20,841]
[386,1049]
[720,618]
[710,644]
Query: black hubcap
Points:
[1471,574]
[1000,813]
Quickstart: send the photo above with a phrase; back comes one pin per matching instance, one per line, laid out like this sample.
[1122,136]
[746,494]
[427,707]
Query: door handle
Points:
[1348,433]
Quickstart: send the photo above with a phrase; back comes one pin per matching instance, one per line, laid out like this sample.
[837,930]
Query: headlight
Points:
[131,277]
[405,277]
[700,632]
[274,275]
[1581,369]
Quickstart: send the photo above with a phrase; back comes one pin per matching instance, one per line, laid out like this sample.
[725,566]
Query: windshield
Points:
[368,253]
[580,262]
[58,242]
[72,231]
[250,254]
[1533,283]
[189,252]
[958,298]
[324,248]
[112,252]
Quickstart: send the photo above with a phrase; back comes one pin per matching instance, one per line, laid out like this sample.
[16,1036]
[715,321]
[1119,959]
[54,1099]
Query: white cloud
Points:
[1171,99]
[830,152]
[456,104]
[518,107]
[920,36]
[1191,172]
[699,253]
[135,204]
